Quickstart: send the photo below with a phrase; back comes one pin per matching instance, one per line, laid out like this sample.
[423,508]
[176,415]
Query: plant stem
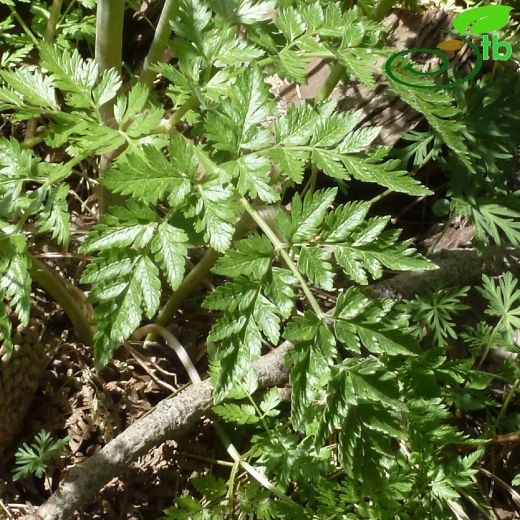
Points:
[336,73]
[109,52]
[24,26]
[507,401]
[109,34]
[50,31]
[279,247]
[192,279]
[58,289]
[160,40]
[53,21]
[192,102]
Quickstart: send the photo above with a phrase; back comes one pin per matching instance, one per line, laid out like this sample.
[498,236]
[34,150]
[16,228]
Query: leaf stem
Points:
[59,290]
[170,125]
[160,40]
[507,401]
[24,26]
[109,34]
[280,247]
[109,51]
[337,72]
[29,139]
[189,283]
[52,24]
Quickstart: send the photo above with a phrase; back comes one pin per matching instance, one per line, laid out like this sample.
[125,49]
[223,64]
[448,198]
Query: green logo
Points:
[476,21]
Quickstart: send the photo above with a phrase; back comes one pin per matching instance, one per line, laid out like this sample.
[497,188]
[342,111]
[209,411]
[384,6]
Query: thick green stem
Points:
[109,52]
[192,279]
[109,34]
[338,71]
[160,40]
[170,125]
[52,24]
[56,287]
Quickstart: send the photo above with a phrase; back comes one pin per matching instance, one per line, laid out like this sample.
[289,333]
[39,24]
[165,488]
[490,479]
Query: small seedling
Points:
[34,458]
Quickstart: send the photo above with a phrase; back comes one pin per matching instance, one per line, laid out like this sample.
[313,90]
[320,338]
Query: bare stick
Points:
[456,268]
[170,419]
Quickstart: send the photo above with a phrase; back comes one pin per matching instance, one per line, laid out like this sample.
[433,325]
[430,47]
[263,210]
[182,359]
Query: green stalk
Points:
[507,401]
[109,55]
[338,71]
[49,280]
[160,40]
[24,26]
[52,24]
[190,282]
[279,247]
[169,126]
[50,31]
[109,34]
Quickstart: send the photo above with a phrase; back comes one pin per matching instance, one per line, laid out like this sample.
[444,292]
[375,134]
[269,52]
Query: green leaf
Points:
[437,107]
[376,325]
[148,176]
[148,275]
[73,75]
[503,302]
[385,175]
[251,257]
[313,262]
[290,22]
[107,87]
[16,167]
[493,219]
[237,125]
[308,215]
[310,360]
[55,215]
[15,280]
[36,89]
[236,413]
[291,162]
[215,209]
[253,178]
[332,130]
[169,249]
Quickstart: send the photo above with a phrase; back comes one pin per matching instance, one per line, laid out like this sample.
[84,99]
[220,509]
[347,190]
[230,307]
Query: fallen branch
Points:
[169,419]
[456,268]
[174,416]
